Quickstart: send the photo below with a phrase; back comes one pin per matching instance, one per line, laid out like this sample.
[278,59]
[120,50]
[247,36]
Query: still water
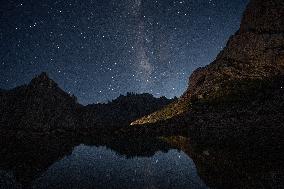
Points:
[100,167]
[53,161]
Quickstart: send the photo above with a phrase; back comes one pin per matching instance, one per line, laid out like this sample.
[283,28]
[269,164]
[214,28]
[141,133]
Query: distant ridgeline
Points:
[42,105]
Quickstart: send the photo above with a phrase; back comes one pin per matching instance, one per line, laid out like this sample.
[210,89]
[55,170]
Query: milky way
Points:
[142,66]
[97,49]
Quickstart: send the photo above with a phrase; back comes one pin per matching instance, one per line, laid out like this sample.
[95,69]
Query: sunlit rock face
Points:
[255,52]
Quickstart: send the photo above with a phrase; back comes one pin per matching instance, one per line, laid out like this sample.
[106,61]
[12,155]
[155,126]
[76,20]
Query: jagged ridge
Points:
[42,105]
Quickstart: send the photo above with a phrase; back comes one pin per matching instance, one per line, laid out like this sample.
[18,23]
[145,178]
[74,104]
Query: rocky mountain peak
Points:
[255,52]
[264,16]
[41,104]
[43,80]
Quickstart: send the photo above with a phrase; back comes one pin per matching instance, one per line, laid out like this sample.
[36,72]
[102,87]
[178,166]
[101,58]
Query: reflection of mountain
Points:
[233,168]
[91,167]
[130,147]
[26,155]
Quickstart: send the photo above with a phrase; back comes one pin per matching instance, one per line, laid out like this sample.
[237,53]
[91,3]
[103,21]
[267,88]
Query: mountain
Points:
[252,58]
[39,105]
[42,105]
[121,111]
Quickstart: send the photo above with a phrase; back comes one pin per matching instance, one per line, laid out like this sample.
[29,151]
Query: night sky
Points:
[99,49]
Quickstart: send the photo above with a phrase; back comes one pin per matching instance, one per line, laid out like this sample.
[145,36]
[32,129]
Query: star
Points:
[139,46]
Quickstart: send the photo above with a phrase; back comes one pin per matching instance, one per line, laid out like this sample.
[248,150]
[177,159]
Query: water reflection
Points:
[66,160]
[99,167]
[29,160]
[240,166]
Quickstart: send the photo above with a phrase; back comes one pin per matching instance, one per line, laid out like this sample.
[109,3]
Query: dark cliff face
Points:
[255,52]
[39,105]
[42,105]
[264,16]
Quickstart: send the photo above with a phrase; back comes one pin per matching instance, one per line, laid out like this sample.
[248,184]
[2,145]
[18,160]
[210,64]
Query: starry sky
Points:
[99,49]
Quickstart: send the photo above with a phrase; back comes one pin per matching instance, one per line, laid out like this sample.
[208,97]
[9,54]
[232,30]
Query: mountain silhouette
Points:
[42,105]
[39,105]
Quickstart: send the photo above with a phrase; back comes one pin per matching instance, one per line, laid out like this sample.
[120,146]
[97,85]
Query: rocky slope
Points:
[39,105]
[255,52]
[122,111]
[42,105]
